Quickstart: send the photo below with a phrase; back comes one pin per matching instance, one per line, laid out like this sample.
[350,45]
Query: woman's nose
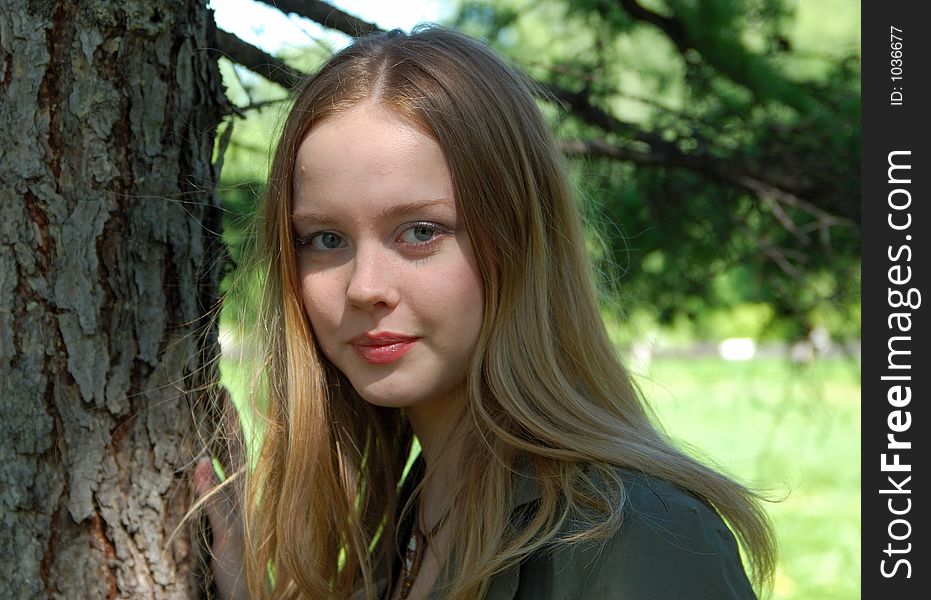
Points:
[372,280]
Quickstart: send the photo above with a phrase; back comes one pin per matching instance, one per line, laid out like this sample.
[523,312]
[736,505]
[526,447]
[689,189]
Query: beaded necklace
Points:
[416,550]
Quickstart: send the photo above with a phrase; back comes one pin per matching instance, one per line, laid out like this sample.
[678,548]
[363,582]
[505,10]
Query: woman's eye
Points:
[324,241]
[420,233]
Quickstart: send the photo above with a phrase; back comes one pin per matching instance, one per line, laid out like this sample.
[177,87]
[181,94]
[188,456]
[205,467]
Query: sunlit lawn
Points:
[794,430]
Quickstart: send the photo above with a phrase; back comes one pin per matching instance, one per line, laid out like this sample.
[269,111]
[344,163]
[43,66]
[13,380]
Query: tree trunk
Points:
[108,243]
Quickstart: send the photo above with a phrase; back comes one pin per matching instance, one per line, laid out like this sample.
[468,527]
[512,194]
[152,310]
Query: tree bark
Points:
[108,244]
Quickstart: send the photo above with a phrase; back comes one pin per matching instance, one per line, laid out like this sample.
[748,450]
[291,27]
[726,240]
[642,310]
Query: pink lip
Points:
[383,347]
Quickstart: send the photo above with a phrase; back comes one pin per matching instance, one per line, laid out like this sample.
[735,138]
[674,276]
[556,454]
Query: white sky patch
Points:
[270,29]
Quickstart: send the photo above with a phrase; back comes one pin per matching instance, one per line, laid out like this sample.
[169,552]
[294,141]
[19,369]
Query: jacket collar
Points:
[526,488]
[504,585]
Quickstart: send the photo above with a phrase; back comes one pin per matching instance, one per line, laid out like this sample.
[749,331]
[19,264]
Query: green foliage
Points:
[751,190]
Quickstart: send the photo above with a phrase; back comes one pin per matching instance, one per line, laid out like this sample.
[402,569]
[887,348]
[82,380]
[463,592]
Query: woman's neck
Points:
[437,427]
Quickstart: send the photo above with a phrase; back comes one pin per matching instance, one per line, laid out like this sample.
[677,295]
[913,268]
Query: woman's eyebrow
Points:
[389,212]
[400,210]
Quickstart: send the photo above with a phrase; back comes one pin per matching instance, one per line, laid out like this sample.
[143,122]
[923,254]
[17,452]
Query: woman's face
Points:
[388,278]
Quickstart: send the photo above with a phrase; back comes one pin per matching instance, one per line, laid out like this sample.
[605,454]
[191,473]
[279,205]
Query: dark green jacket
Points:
[671,546]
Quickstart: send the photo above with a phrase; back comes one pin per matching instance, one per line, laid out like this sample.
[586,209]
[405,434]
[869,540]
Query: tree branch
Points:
[713,169]
[258,61]
[781,257]
[734,61]
[327,15]
[671,26]
[579,104]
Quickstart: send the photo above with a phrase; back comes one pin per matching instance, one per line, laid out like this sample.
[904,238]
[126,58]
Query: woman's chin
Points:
[385,399]
[387,402]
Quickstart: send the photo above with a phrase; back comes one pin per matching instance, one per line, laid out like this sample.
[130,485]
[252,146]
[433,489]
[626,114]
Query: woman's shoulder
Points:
[663,516]
[648,495]
[671,544]
[649,500]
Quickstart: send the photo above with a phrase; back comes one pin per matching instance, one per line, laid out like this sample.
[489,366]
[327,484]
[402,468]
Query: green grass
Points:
[792,431]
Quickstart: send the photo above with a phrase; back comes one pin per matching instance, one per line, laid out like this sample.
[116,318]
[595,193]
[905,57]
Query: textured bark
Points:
[107,239]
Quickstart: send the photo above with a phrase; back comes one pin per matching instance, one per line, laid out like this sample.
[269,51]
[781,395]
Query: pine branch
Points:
[671,26]
[579,104]
[257,60]
[327,15]
[734,62]
[717,170]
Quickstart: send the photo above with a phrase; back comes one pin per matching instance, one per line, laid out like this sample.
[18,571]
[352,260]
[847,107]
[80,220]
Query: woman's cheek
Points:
[316,306]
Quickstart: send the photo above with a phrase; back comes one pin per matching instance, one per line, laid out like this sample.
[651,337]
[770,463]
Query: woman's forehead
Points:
[371,157]
[367,136]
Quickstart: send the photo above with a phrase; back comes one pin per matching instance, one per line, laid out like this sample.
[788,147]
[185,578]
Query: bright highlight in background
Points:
[265,26]
[737,349]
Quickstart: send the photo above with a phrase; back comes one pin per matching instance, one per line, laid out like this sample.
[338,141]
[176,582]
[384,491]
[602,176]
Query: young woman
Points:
[425,274]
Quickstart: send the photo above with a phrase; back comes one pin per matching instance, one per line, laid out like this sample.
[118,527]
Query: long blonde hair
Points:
[544,384]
